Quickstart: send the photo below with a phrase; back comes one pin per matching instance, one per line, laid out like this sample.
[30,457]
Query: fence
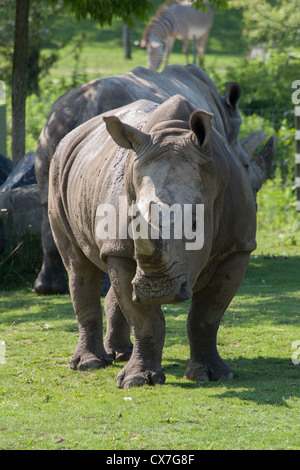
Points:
[297,156]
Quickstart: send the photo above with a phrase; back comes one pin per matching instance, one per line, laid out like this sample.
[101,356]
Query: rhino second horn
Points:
[265,157]
[252,141]
[267,153]
[262,163]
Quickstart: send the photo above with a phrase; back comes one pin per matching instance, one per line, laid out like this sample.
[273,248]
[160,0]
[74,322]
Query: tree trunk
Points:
[19,74]
[126,41]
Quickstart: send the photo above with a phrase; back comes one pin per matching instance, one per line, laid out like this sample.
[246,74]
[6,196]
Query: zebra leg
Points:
[168,50]
[194,50]
[201,50]
[201,45]
[185,48]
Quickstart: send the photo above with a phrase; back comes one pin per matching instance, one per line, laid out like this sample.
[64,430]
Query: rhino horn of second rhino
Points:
[252,141]
[264,160]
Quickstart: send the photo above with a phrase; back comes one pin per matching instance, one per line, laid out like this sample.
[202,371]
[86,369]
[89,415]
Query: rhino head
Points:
[173,165]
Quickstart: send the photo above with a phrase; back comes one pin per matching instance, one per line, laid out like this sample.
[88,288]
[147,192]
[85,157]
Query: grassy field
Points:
[45,405]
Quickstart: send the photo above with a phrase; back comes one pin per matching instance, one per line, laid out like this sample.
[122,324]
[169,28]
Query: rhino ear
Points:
[200,124]
[125,135]
[232,94]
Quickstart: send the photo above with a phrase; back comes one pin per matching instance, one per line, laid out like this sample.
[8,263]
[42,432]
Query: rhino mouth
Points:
[168,286]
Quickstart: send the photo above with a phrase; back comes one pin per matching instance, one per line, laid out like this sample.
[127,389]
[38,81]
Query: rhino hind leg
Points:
[207,309]
[51,278]
[148,326]
[117,340]
[84,283]
[85,279]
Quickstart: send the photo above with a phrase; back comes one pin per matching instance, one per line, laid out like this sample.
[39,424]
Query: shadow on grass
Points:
[260,380]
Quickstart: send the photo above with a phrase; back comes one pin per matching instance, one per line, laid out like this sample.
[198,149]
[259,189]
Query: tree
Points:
[273,26]
[103,11]
[272,23]
[42,16]
[19,76]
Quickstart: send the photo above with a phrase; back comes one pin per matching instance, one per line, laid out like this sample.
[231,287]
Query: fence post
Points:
[2,119]
[297,156]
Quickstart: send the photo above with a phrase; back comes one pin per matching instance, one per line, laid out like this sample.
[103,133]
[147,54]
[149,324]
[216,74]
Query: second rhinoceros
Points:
[99,96]
[144,156]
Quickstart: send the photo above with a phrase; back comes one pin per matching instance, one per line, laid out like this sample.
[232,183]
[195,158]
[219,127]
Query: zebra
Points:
[176,20]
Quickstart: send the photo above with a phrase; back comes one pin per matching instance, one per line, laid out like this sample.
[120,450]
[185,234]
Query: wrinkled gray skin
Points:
[152,154]
[98,96]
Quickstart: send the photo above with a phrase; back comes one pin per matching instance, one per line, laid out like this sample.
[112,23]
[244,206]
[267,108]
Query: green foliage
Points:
[278,221]
[266,81]
[41,18]
[214,3]
[104,11]
[274,23]
[274,91]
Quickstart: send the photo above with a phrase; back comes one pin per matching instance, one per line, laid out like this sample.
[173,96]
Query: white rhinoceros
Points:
[106,177]
[98,96]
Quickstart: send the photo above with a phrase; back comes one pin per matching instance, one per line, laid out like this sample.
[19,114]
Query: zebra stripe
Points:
[176,20]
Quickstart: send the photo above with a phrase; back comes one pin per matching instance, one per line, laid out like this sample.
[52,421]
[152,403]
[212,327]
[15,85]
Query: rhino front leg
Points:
[207,309]
[117,340]
[148,326]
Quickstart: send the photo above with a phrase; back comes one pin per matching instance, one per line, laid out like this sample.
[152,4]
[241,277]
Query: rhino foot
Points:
[89,361]
[119,354]
[51,286]
[210,371]
[128,378]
